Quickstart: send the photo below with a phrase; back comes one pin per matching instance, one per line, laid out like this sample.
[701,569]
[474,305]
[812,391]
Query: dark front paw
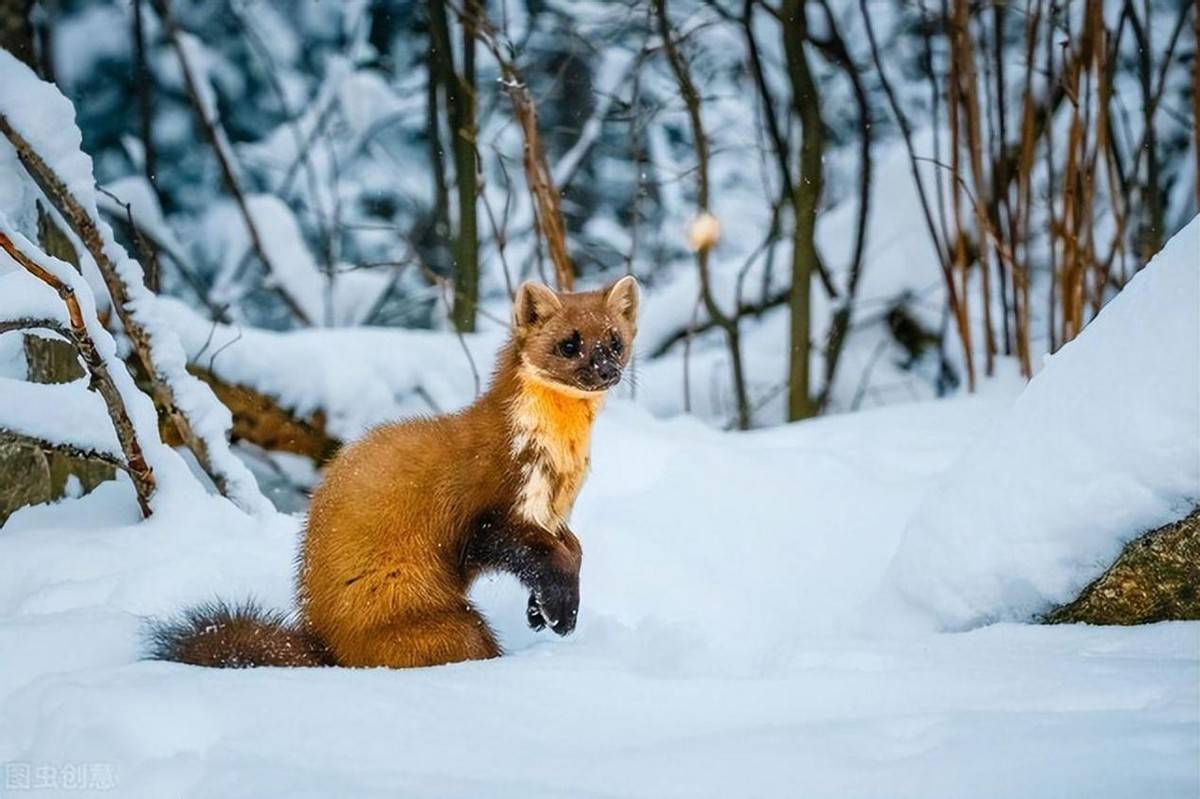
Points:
[533,614]
[555,603]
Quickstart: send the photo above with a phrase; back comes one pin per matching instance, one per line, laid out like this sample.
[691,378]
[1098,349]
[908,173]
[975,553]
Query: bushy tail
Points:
[242,636]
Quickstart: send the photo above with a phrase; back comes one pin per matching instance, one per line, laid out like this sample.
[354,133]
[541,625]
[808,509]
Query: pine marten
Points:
[407,517]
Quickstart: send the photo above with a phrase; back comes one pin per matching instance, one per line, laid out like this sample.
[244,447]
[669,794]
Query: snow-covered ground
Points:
[804,610]
[763,614]
[726,647]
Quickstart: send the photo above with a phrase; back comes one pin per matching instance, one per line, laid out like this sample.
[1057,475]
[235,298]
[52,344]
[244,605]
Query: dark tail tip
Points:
[219,635]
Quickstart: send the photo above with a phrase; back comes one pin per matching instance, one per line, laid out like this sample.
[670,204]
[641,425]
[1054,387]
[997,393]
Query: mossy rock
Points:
[1156,578]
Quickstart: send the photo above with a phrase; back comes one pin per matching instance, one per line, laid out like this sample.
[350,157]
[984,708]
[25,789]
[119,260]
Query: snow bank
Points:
[358,377]
[710,660]
[344,299]
[1103,445]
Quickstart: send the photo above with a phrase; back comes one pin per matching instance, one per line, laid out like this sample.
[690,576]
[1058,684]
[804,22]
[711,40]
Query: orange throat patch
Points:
[553,425]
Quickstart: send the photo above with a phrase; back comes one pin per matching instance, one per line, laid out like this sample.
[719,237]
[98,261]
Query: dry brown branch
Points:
[538,175]
[955,297]
[1051,212]
[84,226]
[29,323]
[967,92]
[1021,211]
[139,471]
[228,175]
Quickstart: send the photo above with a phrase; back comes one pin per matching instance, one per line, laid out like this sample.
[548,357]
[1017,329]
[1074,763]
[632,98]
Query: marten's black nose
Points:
[607,371]
[605,368]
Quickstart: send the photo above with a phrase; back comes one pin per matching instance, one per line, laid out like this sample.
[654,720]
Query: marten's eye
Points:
[614,344]
[571,346]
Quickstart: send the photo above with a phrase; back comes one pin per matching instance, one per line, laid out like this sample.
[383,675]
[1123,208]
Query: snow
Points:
[837,608]
[1103,444]
[27,298]
[174,482]
[80,419]
[724,574]
[357,377]
[344,299]
[49,126]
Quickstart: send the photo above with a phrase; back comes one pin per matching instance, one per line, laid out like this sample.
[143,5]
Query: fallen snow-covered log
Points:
[259,419]
[341,380]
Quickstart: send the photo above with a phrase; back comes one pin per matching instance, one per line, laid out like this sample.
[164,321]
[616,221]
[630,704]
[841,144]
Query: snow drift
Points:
[1103,445]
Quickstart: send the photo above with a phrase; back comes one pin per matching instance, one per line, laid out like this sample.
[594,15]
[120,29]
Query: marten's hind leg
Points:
[413,640]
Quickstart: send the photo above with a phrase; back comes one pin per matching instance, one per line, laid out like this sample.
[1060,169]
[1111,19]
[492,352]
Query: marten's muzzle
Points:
[602,370]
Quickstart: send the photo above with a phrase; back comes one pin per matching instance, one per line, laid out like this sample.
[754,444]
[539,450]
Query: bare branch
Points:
[27,323]
[691,99]
[70,450]
[538,175]
[86,228]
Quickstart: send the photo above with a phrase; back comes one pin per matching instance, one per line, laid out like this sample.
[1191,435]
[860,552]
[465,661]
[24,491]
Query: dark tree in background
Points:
[16,30]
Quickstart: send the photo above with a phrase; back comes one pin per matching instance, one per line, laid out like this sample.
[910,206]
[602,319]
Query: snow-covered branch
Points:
[202,423]
[67,288]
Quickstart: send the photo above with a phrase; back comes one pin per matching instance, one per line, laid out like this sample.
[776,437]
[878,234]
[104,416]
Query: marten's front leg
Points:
[545,563]
[536,611]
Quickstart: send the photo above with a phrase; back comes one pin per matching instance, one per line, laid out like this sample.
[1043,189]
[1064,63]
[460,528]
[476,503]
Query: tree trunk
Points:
[16,30]
[437,155]
[460,106]
[1156,578]
[805,103]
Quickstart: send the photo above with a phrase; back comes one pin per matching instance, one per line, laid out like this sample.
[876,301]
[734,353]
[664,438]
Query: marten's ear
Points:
[535,304]
[622,298]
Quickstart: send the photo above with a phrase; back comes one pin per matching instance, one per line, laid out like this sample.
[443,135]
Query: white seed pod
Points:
[704,232]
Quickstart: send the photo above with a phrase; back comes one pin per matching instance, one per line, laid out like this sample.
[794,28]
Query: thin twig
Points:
[70,450]
[538,175]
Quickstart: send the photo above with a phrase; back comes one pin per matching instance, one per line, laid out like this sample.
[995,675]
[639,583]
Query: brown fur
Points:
[246,635]
[409,515]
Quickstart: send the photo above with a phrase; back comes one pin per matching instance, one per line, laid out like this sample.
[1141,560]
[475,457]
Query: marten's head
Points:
[578,342]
